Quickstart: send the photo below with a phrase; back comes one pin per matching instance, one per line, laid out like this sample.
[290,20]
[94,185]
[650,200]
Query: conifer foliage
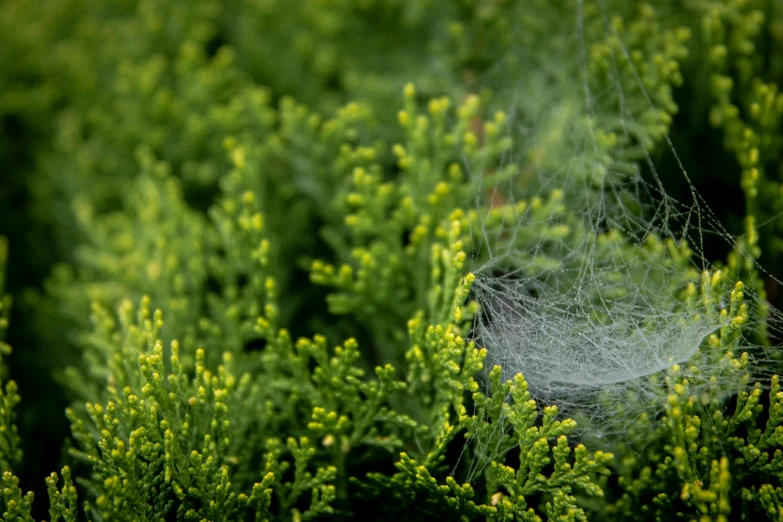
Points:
[263,249]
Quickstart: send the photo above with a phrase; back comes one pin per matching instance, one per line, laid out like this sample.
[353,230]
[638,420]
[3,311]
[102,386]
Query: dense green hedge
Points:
[239,243]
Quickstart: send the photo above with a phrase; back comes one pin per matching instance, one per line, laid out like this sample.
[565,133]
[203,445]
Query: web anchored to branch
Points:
[592,281]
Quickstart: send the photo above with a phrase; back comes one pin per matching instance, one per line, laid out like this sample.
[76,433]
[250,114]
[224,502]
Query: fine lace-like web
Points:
[583,263]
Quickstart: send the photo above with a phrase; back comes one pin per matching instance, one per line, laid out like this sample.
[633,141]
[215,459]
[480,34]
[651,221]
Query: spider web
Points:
[584,264]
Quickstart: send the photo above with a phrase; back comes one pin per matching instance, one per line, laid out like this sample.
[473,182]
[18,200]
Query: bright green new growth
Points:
[277,260]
